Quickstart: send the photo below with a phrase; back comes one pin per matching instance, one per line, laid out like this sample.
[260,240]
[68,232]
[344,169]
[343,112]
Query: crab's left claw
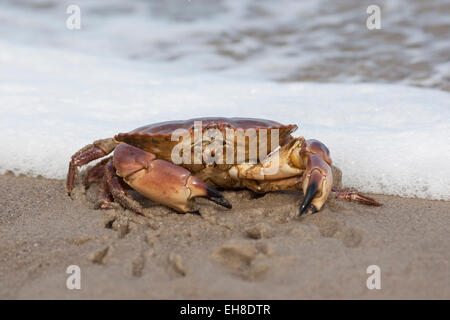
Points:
[317,182]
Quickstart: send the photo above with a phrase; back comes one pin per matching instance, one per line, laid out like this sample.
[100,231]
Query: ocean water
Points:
[379,99]
[283,40]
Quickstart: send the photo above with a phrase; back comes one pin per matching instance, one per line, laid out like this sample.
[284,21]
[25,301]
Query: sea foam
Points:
[388,139]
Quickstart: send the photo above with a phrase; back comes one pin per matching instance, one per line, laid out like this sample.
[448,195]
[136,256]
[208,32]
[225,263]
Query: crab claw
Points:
[317,182]
[162,181]
[310,193]
[200,189]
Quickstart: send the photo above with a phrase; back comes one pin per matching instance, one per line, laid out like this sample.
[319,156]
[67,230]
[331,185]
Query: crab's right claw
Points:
[317,182]
[200,189]
[162,181]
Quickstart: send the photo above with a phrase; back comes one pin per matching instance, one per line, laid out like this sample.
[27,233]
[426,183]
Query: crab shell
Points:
[158,138]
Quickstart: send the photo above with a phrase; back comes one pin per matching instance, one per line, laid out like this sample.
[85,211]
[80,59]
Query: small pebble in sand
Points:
[176,263]
[98,256]
[80,240]
[155,225]
[227,225]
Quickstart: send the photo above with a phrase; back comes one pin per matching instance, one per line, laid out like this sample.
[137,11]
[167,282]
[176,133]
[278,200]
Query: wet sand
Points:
[259,249]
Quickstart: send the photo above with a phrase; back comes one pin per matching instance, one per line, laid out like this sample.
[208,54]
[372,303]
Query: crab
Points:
[143,160]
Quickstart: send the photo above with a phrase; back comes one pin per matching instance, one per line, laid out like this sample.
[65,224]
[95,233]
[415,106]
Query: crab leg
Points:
[104,199]
[96,150]
[355,196]
[96,173]
[162,181]
[117,191]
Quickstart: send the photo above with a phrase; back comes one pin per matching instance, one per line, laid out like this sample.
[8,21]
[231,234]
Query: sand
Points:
[260,249]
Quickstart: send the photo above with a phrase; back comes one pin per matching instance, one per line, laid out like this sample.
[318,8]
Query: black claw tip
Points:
[312,209]
[217,197]
[309,196]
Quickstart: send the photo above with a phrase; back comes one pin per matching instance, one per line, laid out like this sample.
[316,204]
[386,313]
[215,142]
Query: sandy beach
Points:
[369,80]
[260,249]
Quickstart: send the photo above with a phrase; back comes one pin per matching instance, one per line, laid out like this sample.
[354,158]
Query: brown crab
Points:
[143,160]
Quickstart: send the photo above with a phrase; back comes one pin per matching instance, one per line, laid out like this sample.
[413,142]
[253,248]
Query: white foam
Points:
[315,40]
[388,139]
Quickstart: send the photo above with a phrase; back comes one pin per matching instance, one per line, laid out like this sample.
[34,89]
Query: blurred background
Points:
[282,40]
[314,63]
